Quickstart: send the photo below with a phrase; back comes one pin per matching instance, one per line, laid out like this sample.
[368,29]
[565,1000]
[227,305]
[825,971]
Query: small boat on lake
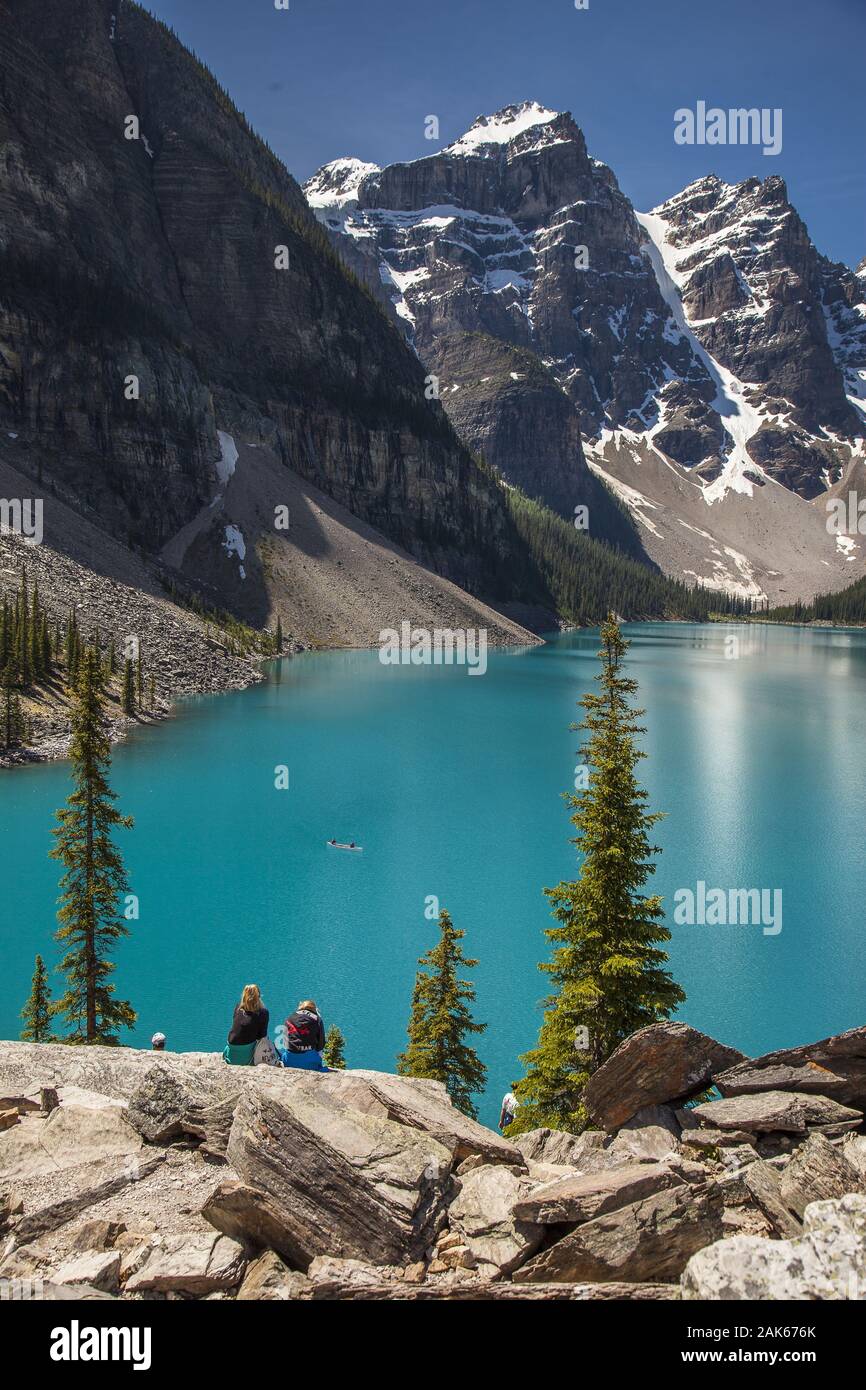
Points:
[355,849]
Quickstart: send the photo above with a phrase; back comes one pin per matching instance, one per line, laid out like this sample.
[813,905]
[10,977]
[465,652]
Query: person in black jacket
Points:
[303,1038]
[251,1018]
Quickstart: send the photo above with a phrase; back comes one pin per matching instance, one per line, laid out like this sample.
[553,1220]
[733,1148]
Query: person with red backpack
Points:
[302,1037]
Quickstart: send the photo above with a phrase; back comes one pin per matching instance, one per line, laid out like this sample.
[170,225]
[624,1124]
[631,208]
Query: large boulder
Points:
[854,1149]
[98,1268]
[168,1103]
[199,1263]
[775,1111]
[584,1151]
[484,1215]
[579,1198]
[423,1104]
[71,1135]
[828,1261]
[834,1067]
[664,1063]
[248,1215]
[340,1181]
[762,1187]
[651,1134]
[650,1240]
[269,1280]
[817,1172]
[25,1068]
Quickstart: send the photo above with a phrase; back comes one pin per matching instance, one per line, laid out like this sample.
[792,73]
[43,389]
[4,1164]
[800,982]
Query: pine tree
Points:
[128,697]
[36,1013]
[334,1051]
[440,1019]
[607,969]
[94,876]
[24,671]
[11,718]
[278,637]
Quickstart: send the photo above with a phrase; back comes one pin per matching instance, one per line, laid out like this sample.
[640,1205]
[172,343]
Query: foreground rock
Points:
[69,1136]
[199,1264]
[828,1261]
[167,1105]
[834,1067]
[424,1105]
[339,1181]
[581,1198]
[774,1111]
[400,1292]
[485,1213]
[115,1072]
[817,1172]
[666,1062]
[269,1280]
[583,1151]
[648,1240]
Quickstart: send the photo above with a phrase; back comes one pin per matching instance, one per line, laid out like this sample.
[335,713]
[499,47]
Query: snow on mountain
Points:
[500,128]
[704,359]
[337,184]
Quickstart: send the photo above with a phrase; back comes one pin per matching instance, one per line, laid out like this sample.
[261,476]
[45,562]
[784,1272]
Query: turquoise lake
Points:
[452,783]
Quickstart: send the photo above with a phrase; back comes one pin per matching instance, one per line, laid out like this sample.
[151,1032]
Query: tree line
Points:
[587,578]
[37,654]
[848,606]
[607,965]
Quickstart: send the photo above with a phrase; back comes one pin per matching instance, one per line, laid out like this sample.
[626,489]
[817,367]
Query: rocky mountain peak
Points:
[709,338]
[488,134]
[337,184]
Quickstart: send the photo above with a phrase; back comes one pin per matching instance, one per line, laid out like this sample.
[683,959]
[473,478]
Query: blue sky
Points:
[338,77]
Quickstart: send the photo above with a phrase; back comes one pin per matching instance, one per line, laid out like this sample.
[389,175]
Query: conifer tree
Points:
[278,637]
[23,619]
[128,697]
[12,728]
[333,1054]
[440,1020]
[607,968]
[36,1013]
[94,877]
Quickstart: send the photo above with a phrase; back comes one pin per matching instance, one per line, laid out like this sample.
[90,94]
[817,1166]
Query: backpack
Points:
[265,1054]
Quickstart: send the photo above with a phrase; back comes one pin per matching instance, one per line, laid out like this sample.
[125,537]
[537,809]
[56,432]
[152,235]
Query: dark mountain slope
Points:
[155,258]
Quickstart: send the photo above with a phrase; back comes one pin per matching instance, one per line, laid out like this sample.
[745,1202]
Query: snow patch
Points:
[501,127]
[225,465]
[739,419]
[234,544]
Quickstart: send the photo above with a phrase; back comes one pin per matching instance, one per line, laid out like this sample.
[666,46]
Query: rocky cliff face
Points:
[708,339]
[146,302]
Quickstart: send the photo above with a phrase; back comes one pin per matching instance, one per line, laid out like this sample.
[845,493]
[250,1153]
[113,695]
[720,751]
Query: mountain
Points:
[149,341]
[712,362]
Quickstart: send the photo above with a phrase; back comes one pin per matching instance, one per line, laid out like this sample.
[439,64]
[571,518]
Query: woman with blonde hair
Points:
[249,1025]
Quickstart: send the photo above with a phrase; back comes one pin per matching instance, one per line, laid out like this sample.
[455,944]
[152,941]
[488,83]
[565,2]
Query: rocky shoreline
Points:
[183,1178]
